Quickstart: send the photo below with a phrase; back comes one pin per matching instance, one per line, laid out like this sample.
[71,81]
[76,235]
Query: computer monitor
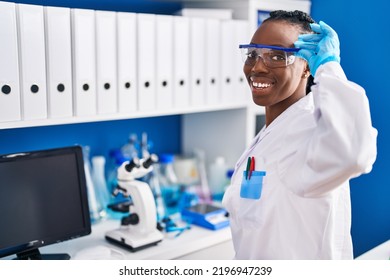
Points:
[43,200]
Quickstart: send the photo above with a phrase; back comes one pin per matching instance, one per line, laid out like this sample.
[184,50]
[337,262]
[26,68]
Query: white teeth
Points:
[260,85]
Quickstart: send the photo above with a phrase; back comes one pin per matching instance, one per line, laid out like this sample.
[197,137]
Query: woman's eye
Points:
[252,55]
[278,57]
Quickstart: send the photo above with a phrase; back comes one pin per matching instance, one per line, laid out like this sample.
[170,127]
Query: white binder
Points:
[83,58]
[127,62]
[106,62]
[227,64]
[146,24]
[32,61]
[242,93]
[9,68]
[164,50]
[213,66]
[181,60]
[58,62]
[197,61]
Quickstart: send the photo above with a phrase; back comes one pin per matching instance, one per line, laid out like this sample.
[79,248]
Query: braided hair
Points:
[297,18]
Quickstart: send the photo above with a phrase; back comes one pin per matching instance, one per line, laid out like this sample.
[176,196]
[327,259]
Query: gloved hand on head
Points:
[319,48]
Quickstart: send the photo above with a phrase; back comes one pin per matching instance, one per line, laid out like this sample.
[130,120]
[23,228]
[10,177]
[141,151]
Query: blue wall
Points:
[163,132]
[363,30]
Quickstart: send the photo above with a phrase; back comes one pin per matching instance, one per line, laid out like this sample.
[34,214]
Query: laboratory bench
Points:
[196,243]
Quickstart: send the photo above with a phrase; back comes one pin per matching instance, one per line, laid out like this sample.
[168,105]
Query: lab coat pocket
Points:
[250,208]
[251,187]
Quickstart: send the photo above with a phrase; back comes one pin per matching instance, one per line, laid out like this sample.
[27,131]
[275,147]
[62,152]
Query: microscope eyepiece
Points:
[148,162]
[133,163]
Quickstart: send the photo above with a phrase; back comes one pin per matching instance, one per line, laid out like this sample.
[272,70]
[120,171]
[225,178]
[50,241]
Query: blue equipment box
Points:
[206,215]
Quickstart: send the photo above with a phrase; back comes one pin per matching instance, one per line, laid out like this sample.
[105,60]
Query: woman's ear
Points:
[306,72]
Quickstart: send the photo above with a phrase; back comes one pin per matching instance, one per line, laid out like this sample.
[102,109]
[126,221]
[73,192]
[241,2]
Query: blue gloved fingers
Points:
[327,30]
[310,37]
[331,42]
[305,54]
[334,58]
[316,27]
[306,45]
[320,48]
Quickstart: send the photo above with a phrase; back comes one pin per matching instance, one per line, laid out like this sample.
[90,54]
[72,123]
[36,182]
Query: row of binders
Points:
[61,62]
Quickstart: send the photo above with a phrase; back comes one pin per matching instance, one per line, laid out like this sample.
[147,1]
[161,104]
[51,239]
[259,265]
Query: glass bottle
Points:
[99,180]
[129,150]
[217,177]
[96,209]
[170,188]
[153,181]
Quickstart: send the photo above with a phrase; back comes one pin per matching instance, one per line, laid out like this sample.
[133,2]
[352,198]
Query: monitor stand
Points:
[34,254]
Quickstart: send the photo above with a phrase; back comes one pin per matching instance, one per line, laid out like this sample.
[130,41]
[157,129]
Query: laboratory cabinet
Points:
[84,74]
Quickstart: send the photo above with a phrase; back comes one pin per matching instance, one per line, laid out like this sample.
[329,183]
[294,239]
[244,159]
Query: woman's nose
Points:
[259,65]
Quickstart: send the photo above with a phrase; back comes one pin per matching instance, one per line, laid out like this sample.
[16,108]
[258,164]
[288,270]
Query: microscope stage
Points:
[133,241]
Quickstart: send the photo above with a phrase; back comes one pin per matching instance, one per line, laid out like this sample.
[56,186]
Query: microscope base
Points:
[133,242]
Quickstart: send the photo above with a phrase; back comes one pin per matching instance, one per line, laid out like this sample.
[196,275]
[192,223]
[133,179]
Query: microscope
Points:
[139,229]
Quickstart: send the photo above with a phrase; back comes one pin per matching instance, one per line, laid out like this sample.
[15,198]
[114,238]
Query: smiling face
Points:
[276,88]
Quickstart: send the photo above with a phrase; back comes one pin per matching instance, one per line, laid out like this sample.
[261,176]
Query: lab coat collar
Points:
[305,103]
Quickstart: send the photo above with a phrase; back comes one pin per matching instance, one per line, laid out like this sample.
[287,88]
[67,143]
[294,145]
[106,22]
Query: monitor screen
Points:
[43,200]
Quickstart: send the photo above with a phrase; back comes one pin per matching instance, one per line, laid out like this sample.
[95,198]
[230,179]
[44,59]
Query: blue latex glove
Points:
[320,48]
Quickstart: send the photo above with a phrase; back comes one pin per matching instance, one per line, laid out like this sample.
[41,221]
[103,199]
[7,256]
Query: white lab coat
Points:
[309,154]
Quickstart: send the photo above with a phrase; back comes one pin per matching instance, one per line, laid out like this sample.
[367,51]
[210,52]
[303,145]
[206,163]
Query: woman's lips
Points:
[260,83]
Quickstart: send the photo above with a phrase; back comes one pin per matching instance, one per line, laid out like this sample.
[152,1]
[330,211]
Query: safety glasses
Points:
[272,56]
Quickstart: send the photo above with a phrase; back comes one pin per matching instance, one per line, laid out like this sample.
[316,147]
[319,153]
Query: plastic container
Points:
[99,180]
[130,150]
[154,183]
[170,189]
[204,192]
[217,176]
[96,208]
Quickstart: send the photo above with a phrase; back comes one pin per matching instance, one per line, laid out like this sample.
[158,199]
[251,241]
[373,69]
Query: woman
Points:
[296,202]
